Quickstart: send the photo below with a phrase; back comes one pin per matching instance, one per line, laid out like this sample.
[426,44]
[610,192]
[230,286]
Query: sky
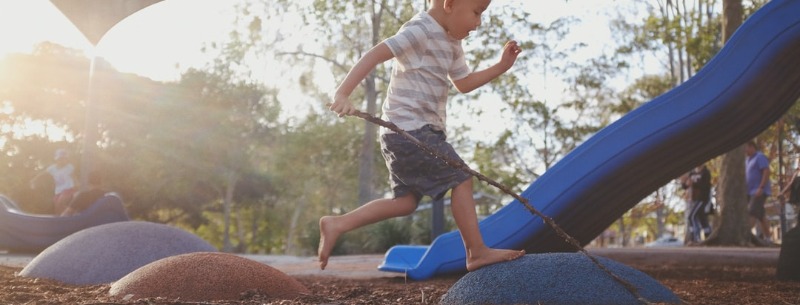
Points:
[156,44]
[164,39]
[158,50]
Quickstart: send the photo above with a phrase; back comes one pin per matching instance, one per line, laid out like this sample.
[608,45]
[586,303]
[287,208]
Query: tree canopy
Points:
[215,152]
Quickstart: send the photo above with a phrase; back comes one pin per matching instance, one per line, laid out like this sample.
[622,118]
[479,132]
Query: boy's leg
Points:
[478,254]
[331,227]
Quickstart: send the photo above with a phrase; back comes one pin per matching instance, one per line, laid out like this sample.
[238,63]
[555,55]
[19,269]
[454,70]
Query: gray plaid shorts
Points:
[412,170]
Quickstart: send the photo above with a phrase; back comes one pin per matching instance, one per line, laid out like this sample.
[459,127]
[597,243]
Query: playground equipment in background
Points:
[23,232]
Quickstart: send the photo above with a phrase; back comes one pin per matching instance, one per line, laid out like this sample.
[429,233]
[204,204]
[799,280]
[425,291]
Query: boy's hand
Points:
[342,106]
[510,52]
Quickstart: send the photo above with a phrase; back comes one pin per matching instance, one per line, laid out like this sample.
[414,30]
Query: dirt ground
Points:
[697,277]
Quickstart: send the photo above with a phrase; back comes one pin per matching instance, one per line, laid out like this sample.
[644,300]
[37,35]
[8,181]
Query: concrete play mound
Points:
[106,253]
[198,277]
[555,279]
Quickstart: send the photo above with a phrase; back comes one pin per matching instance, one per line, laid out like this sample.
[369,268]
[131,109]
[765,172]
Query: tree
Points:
[537,132]
[733,227]
[42,97]
[688,37]
[540,126]
[310,176]
[348,36]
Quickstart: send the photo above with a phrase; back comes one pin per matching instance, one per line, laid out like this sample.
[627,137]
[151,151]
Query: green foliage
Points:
[258,230]
[641,220]
[422,225]
[685,35]
[214,153]
[642,90]
[379,237]
[165,147]
[386,234]
[537,135]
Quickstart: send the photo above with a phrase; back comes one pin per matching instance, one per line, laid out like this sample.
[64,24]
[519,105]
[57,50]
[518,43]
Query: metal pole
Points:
[94,18]
[437,218]
[89,129]
[780,180]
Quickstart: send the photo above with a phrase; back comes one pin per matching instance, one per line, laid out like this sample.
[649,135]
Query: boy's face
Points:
[464,16]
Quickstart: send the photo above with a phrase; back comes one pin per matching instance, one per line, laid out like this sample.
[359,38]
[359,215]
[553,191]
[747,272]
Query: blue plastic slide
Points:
[749,85]
[22,232]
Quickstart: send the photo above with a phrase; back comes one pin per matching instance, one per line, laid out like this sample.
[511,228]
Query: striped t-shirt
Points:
[425,61]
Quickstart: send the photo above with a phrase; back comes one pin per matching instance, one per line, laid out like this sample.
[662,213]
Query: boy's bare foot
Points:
[327,240]
[490,256]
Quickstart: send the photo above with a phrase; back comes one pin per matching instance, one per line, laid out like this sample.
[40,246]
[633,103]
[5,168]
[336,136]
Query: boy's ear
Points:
[448,5]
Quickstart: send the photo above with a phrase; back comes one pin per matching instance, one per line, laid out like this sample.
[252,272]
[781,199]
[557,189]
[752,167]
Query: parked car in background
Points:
[665,241]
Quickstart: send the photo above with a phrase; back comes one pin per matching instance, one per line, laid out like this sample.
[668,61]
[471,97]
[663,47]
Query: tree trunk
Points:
[290,247]
[687,211]
[670,49]
[733,227]
[258,210]
[366,171]
[687,202]
[230,185]
[660,215]
[689,34]
[732,15]
[241,246]
[623,231]
[680,42]
[292,232]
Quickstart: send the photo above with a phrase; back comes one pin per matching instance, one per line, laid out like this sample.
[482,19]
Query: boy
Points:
[428,57]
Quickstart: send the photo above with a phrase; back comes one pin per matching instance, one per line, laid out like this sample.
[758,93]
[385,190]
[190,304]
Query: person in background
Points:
[758,187]
[698,183]
[84,199]
[63,173]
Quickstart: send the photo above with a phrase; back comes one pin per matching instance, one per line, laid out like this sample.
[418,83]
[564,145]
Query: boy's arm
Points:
[341,99]
[480,78]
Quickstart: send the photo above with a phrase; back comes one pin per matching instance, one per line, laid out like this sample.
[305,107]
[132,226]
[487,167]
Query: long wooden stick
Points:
[462,166]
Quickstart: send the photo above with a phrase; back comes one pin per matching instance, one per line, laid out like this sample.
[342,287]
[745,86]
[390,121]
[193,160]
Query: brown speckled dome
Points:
[205,276]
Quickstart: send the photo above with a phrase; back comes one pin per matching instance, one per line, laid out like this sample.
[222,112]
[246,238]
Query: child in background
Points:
[63,173]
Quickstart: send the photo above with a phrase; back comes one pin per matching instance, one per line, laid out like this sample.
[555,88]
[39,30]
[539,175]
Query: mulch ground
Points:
[693,284]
